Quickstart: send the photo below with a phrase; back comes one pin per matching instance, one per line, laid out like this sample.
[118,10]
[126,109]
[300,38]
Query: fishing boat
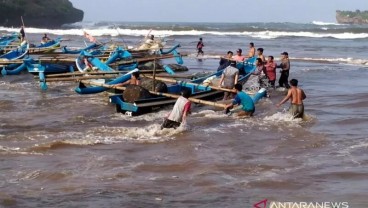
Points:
[84,59]
[49,46]
[35,67]
[94,49]
[16,53]
[199,91]
[83,89]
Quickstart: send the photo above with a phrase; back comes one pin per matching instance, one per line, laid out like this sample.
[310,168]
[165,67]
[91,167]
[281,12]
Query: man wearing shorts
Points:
[296,96]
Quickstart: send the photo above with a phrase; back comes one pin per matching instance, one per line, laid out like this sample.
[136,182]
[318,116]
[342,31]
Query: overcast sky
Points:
[300,11]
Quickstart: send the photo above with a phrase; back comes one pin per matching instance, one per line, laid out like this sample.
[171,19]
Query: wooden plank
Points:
[195,84]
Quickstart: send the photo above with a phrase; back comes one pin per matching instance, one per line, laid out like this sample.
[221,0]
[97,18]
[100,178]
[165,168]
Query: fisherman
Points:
[200,46]
[45,39]
[134,80]
[260,54]
[180,111]
[229,78]
[252,50]
[271,71]
[22,34]
[285,69]
[150,40]
[88,66]
[243,99]
[296,96]
[225,61]
[239,57]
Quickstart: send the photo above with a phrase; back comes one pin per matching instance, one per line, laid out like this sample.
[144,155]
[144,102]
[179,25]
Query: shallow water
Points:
[61,149]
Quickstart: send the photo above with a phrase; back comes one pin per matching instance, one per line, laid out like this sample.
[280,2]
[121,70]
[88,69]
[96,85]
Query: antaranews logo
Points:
[261,204]
[273,204]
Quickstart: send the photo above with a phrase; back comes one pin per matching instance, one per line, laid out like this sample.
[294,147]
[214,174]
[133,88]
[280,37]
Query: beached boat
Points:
[16,53]
[91,49]
[34,67]
[49,46]
[97,64]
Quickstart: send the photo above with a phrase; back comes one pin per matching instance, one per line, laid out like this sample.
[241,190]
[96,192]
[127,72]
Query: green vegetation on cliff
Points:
[350,17]
[38,13]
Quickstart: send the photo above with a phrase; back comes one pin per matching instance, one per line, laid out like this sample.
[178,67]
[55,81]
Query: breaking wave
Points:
[325,23]
[265,34]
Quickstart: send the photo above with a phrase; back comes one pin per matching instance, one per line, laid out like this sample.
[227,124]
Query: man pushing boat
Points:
[180,111]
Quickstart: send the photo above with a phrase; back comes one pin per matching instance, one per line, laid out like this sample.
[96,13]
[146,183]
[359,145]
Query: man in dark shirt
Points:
[285,69]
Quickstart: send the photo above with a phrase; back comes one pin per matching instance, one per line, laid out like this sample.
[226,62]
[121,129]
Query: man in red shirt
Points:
[271,71]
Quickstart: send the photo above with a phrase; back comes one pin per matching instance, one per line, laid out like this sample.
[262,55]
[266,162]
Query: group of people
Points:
[229,79]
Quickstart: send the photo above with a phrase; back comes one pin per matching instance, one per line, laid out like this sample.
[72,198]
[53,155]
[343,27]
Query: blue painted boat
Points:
[46,47]
[91,48]
[17,53]
[13,69]
[82,89]
[4,44]
[35,67]
[9,37]
[198,91]
[95,62]
[118,55]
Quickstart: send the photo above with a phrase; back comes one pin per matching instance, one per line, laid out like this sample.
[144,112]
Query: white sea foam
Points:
[103,31]
[325,23]
[349,60]
[284,118]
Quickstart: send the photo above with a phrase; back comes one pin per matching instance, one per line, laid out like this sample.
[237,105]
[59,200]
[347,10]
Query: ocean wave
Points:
[266,34]
[325,23]
[348,60]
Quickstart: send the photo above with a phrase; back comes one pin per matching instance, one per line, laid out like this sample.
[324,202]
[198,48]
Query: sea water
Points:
[61,149]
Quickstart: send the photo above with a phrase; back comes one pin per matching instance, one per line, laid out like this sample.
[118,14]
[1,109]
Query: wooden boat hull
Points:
[140,107]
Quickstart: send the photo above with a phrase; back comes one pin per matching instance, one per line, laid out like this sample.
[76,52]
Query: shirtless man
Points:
[296,96]
[134,80]
[252,50]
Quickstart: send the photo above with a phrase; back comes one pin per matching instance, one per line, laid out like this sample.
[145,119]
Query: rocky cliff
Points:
[38,13]
[349,17]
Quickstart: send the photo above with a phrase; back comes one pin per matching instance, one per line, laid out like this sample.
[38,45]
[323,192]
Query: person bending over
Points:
[243,99]
[180,111]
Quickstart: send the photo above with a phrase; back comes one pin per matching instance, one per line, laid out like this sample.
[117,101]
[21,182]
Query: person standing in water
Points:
[285,69]
[296,96]
[180,111]
[200,46]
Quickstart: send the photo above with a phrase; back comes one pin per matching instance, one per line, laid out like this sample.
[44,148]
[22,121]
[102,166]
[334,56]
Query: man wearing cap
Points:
[229,78]
[285,69]
[239,57]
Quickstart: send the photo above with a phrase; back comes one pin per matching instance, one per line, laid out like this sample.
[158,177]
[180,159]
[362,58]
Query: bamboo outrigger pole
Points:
[195,100]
